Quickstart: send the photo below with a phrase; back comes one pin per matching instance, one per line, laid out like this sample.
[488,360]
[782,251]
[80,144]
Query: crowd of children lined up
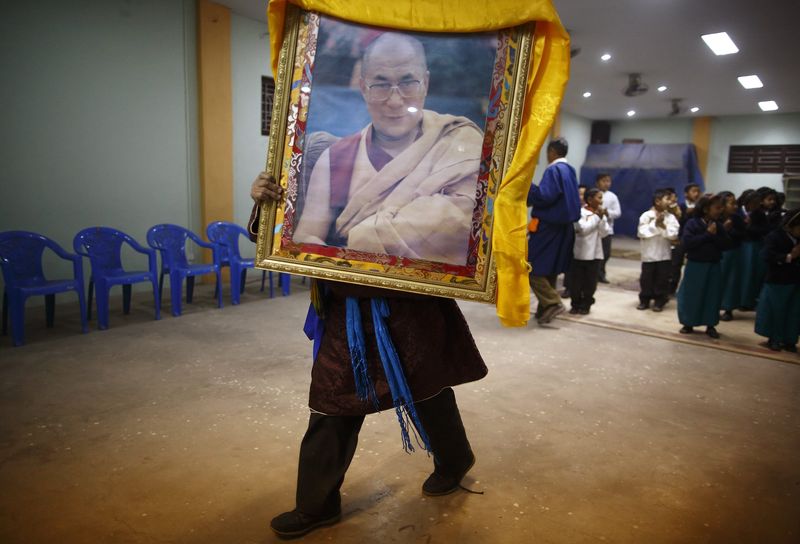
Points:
[740,255]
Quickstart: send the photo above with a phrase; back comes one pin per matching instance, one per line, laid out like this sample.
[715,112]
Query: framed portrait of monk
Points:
[390,146]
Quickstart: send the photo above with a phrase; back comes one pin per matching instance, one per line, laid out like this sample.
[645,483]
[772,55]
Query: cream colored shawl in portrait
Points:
[419,205]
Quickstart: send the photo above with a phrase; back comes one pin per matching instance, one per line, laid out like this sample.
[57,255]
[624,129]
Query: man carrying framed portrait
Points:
[373,191]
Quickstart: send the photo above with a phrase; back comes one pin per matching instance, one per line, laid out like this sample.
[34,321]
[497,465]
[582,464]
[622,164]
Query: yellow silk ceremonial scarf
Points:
[547,79]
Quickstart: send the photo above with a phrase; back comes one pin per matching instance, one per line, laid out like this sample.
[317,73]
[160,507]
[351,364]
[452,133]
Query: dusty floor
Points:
[187,431]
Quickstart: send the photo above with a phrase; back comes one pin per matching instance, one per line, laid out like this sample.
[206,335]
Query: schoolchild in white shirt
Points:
[613,211]
[658,228]
[590,230]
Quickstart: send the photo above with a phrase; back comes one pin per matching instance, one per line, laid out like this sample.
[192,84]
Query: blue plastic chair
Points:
[226,236]
[103,247]
[285,281]
[170,241]
[21,260]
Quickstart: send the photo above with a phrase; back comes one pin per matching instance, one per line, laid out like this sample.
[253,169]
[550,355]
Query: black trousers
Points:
[654,282]
[606,256]
[330,443]
[566,277]
[678,257]
[583,283]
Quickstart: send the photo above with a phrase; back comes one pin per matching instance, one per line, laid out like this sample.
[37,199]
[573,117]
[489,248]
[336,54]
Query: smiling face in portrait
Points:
[394,83]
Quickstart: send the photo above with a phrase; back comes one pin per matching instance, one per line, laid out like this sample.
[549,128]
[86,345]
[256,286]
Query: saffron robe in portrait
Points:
[557,204]
[418,204]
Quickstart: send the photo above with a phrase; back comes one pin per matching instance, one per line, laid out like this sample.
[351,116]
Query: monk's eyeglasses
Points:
[381,92]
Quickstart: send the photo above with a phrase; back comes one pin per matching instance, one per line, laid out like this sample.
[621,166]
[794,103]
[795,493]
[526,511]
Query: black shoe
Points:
[583,311]
[712,332]
[643,306]
[774,346]
[726,316]
[439,484]
[790,348]
[686,329]
[295,523]
[574,311]
[657,308]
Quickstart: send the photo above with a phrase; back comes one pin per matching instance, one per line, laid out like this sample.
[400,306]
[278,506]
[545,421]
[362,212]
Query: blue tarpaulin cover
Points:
[637,170]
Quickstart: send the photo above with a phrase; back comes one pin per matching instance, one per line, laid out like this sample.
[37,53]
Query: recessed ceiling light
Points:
[768,105]
[694,109]
[751,82]
[720,43]
[606,57]
[662,88]
[587,94]
[631,113]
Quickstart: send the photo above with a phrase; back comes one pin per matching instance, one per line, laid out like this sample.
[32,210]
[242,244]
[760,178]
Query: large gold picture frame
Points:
[298,109]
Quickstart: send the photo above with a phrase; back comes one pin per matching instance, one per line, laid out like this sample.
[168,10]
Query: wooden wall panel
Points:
[216,113]
[701,138]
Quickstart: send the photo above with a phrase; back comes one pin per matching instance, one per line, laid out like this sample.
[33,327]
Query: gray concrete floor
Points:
[187,431]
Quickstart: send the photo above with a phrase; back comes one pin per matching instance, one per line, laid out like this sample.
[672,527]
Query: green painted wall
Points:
[100,117]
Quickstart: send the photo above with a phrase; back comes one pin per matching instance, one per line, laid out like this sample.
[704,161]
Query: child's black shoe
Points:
[712,332]
[643,306]
[726,316]
[686,329]
[773,345]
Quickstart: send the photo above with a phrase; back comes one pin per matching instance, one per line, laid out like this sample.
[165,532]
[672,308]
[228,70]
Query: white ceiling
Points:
[661,40]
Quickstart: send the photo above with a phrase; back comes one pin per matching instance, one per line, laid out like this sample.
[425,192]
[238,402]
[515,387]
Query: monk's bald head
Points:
[394,84]
[394,47]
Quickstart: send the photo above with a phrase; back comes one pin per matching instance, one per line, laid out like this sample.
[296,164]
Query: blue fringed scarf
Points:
[365,390]
[402,400]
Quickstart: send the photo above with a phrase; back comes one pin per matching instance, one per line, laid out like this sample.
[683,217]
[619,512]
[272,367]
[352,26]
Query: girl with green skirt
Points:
[753,266]
[778,315]
[700,292]
[733,221]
